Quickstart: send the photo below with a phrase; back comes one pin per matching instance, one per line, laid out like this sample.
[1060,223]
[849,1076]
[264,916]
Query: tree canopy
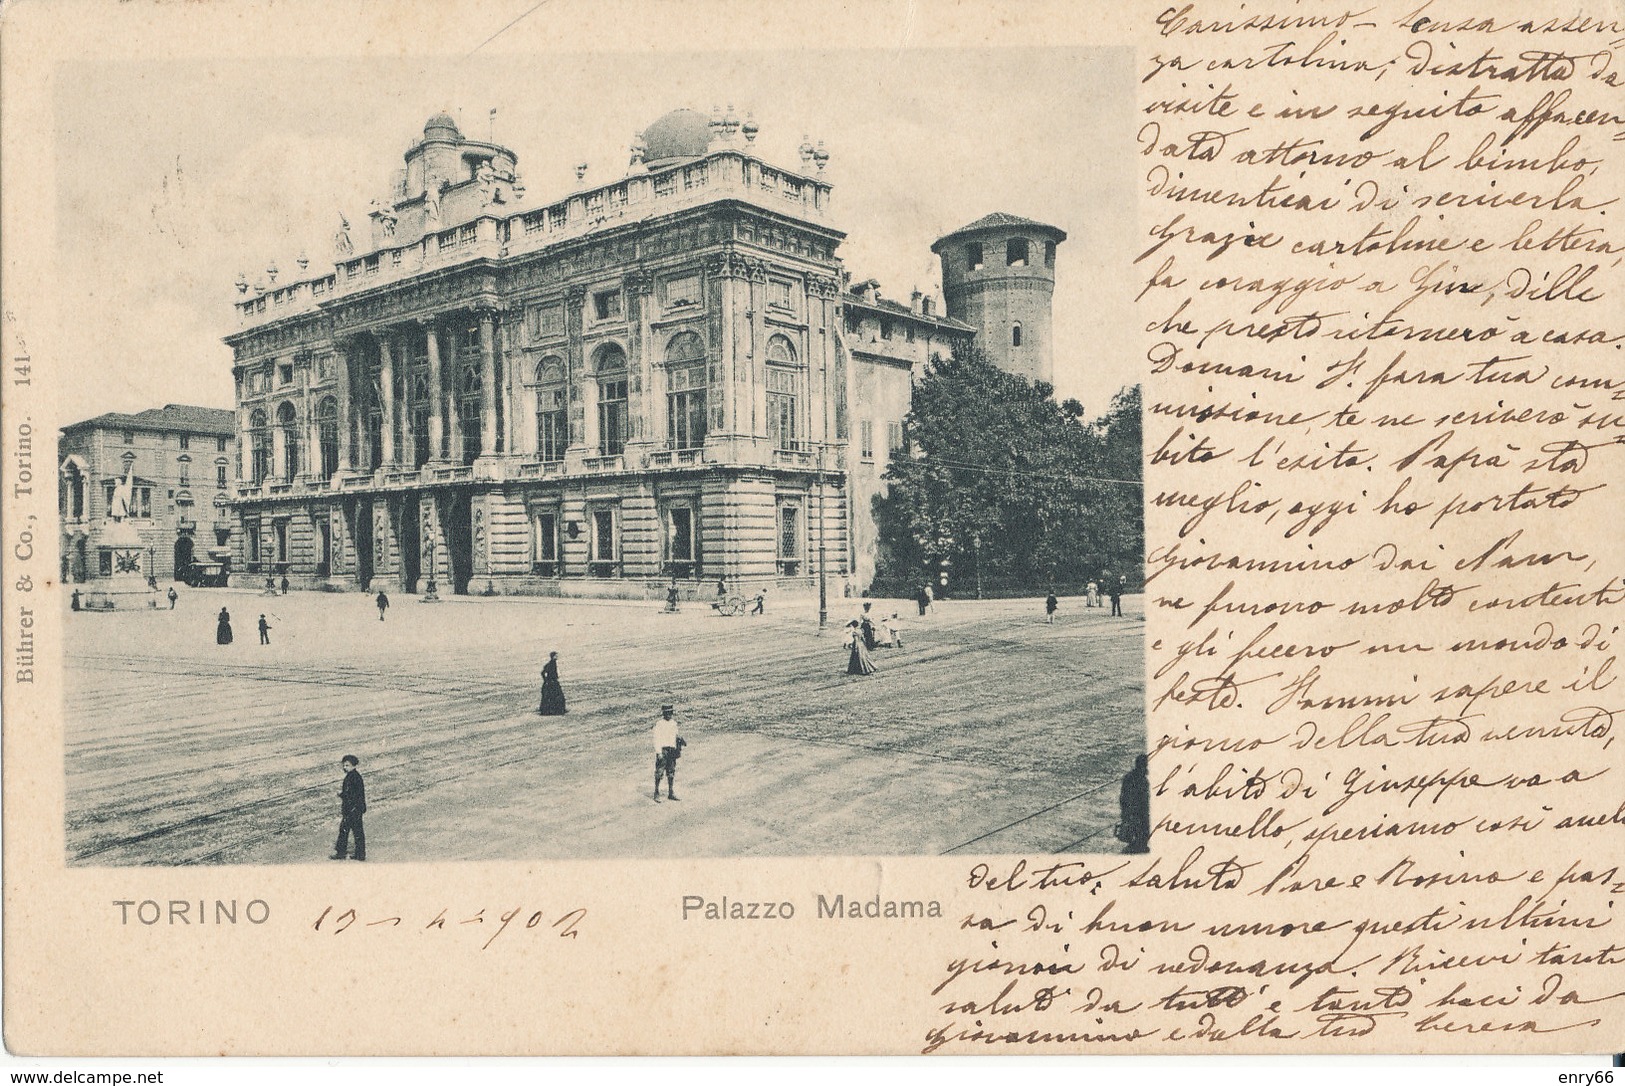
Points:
[1015,492]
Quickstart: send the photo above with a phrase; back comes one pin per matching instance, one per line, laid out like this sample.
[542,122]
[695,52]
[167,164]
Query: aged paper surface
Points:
[1367,278]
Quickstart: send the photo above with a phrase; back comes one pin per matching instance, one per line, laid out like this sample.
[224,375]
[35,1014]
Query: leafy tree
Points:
[1016,492]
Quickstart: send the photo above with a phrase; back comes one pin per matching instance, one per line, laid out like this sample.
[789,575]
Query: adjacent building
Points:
[182,464]
[668,375]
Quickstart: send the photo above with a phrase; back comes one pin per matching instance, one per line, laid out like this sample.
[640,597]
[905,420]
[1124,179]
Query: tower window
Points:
[1049,254]
[1015,334]
[973,256]
[1015,252]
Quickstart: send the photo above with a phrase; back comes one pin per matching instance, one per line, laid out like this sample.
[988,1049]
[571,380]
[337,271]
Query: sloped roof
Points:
[1001,220]
[171,418]
[886,305]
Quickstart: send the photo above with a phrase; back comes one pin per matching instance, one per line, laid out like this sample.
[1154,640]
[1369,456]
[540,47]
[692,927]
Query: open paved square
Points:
[989,731]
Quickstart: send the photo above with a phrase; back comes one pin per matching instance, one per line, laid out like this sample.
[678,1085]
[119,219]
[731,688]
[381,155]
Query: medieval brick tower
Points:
[998,274]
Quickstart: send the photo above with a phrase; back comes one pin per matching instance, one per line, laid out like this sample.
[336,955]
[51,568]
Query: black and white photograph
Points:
[923,528]
[702,455]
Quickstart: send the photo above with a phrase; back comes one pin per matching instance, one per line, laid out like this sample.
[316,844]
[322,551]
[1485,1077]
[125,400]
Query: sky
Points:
[174,176]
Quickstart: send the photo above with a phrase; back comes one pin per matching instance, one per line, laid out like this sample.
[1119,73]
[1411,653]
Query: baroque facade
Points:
[665,376]
[181,464]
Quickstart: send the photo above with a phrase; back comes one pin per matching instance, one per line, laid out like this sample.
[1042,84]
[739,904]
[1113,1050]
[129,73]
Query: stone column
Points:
[506,349]
[750,365]
[435,397]
[346,444]
[820,359]
[580,409]
[729,279]
[386,400]
[488,383]
[453,401]
[312,461]
[244,439]
[642,406]
[406,455]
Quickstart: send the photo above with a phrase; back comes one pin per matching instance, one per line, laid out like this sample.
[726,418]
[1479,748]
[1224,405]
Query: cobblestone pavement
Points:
[988,732]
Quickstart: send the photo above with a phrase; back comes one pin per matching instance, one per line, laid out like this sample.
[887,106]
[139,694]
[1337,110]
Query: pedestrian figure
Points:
[668,748]
[1134,809]
[284,584]
[922,600]
[931,597]
[383,605]
[1050,604]
[552,693]
[352,805]
[270,585]
[891,631]
[761,602]
[265,631]
[1092,595]
[858,661]
[1116,592]
[671,597]
[722,589]
[222,631]
[172,598]
[867,624]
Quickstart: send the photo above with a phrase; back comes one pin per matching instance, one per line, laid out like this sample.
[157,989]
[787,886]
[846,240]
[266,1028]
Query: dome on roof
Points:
[441,125]
[682,133]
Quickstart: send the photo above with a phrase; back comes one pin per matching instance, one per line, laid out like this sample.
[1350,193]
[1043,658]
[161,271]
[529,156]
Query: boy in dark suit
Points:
[352,805]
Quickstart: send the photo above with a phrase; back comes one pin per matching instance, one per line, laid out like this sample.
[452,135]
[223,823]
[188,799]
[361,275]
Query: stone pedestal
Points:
[128,589]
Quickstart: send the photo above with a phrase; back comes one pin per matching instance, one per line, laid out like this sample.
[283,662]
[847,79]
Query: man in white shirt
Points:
[668,746]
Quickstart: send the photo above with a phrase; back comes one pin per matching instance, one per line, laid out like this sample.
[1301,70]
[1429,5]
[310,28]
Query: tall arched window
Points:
[468,412]
[423,444]
[287,421]
[1015,334]
[552,422]
[259,443]
[783,385]
[685,391]
[610,368]
[327,436]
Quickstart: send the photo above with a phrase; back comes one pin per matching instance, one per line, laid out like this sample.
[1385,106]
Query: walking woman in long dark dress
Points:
[222,631]
[552,693]
[858,660]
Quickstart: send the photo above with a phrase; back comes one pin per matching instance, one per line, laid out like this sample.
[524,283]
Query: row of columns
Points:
[738,304]
[443,397]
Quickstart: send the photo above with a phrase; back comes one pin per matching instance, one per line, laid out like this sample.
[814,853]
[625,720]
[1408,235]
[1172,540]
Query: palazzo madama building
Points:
[666,375]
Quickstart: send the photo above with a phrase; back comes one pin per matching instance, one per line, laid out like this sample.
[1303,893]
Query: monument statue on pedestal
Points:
[132,585]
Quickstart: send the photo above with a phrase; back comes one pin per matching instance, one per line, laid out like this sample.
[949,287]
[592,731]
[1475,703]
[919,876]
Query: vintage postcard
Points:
[913,529]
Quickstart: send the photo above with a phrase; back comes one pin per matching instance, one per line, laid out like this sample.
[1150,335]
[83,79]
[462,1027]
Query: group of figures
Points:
[867,632]
[222,628]
[1114,592]
[668,744]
